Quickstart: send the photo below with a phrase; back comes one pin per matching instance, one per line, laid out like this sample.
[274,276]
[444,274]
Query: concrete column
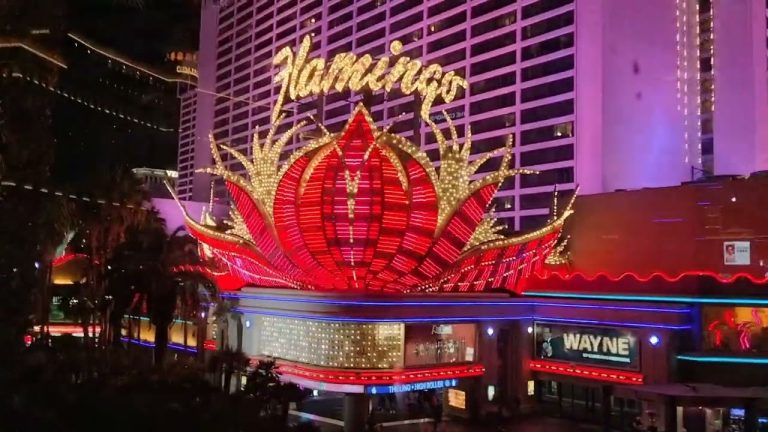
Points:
[670,414]
[356,411]
[606,407]
[750,417]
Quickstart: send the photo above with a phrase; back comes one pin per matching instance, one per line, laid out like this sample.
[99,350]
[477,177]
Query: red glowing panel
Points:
[589,372]
[359,212]
[380,377]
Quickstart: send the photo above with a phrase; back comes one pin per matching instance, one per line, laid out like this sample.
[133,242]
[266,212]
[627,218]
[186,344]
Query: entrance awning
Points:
[700,391]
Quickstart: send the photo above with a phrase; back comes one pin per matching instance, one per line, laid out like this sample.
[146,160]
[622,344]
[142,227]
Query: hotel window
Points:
[406,22]
[446,41]
[444,5]
[550,67]
[490,84]
[339,35]
[396,110]
[493,63]
[528,223]
[492,103]
[335,7]
[547,178]
[547,25]
[402,126]
[405,6]
[547,155]
[542,6]
[451,58]
[548,111]
[284,20]
[446,23]
[344,18]
[311,6]
[370,37]
[368,6]
[345,47]
[494,24]
[370,21]
[536,200]
[491,165]
[494,43]
[488,144]
[548,46]
[546,90]
[546,133]
[494,123]
[431,139]
[490,6]
[290,30]
[502,204]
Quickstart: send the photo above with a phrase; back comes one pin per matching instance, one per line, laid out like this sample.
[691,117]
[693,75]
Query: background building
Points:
[602,94]
[90,108]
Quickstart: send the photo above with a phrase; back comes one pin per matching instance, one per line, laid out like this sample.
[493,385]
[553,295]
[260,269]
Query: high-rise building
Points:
[604,95]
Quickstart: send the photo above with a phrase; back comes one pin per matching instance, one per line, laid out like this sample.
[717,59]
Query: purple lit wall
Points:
[589,97]
[643,142]
[205,100]
[741,96]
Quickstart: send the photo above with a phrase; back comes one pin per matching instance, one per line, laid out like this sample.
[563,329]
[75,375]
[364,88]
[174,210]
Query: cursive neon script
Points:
[301,76]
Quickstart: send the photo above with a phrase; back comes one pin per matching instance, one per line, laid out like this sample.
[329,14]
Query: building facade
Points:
[620,332]
[602,94]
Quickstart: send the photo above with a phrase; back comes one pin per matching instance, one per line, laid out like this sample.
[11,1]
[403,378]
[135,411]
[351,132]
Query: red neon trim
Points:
[209,345]
[59,329]
[67,257]
[600,374]
[661,275]
[332,376]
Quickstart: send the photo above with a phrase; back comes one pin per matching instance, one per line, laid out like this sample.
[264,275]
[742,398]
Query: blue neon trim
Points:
[702,300]
[376,320]
[615,323]
[152,345]
[448,303]
[454,319]
[715,359]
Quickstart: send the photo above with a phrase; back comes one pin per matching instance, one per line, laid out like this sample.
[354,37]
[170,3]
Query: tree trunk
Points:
[161,343]
[130,330]
[116,328]
[227,379]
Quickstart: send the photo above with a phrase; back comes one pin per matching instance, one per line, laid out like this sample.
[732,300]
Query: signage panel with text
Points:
[604,346]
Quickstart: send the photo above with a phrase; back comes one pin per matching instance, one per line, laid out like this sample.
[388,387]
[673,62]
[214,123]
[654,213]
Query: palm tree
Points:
[227,363]
[272,396]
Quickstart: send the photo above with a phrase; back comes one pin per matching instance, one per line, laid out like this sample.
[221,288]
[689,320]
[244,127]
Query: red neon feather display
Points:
[361,213]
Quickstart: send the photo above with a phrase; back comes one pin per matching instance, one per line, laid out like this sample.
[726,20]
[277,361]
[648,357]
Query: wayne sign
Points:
[603,346]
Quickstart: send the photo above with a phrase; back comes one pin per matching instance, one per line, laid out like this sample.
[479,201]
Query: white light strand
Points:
[90,105]
[69,196]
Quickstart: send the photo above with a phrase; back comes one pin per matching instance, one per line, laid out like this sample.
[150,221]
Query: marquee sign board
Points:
[601,346]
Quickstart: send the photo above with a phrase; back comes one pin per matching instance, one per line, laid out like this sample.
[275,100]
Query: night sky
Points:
[144,30]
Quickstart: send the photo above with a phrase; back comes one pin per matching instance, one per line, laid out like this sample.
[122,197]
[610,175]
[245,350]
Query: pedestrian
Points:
[370,423]
[437,412]
[392,403]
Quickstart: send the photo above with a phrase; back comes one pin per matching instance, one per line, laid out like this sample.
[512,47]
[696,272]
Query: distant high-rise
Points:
[602,94]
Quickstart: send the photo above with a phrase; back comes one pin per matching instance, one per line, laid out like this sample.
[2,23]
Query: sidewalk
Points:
[539,424]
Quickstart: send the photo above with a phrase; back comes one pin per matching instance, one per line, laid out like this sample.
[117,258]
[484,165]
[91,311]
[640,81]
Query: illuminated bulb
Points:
[733,199]
[654,340]
[489,331]
[530,329]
